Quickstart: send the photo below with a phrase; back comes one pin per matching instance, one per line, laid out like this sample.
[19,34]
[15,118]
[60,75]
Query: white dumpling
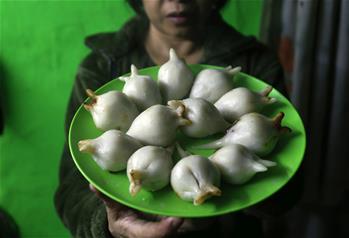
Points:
[149,168]
[205,118]
[195,178]
[255,131]
[175,78]
[240,101]
[157,125]
[111,110]
[237,164]
[141,89]
[211,84]
[111,150]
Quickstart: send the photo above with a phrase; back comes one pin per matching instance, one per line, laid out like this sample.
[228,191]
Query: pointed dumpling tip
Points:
[90,93]
[93,97]
[86,146]
[212,145]
[232,71]
[278,118]
[208,192]
[265,95]
[134,70]
[135,183]
[266,163]
[266,91]
[136,175]
[258,167]
[277,123]
[173,54]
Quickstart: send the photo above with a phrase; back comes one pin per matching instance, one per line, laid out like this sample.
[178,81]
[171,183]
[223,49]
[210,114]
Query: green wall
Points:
[41,44]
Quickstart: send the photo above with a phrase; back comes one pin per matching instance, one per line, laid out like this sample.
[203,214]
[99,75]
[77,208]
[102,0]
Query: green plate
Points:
[288,154]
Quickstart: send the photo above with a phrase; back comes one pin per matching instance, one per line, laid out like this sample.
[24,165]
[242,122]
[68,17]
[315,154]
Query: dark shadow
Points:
[2,104]
[8,226]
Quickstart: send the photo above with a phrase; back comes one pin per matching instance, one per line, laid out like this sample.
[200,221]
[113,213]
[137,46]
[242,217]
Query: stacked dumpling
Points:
[140,127]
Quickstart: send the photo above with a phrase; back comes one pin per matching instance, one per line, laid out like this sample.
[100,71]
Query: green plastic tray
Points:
[288,154]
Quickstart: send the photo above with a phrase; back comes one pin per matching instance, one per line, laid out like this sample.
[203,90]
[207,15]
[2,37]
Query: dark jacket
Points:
[111,56]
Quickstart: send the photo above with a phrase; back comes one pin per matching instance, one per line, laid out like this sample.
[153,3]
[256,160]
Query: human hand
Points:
[126,222]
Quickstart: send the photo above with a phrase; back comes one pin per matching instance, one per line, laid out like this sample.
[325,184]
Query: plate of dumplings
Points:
[187,140]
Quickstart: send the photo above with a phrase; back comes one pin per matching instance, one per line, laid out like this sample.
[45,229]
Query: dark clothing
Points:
[111,56]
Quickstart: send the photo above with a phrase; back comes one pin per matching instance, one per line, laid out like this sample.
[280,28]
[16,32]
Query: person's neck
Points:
[158,45]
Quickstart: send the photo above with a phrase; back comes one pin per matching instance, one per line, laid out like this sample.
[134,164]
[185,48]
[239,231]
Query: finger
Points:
[109,203]
[145,229]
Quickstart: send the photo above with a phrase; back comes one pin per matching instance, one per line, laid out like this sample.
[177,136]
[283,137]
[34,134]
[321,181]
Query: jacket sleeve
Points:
[79,209]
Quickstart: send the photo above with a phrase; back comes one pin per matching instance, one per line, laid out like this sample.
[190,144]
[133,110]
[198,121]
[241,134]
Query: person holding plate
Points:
[195,29]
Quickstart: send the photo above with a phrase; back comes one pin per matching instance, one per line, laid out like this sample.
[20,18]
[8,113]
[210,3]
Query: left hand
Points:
[127,222]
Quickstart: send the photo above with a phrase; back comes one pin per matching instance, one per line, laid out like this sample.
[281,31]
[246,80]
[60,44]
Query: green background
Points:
[41,45]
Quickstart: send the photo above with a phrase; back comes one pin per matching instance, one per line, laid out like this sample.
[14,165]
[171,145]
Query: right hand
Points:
[126,222]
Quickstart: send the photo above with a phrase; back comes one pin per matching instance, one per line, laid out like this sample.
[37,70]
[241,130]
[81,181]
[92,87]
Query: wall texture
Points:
[41,44]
